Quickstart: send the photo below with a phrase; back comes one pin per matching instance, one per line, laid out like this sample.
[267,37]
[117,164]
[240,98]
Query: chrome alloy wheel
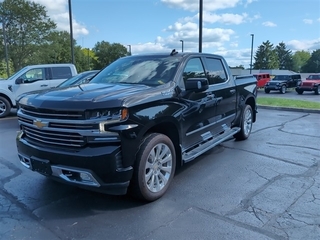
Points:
[247,121]
[158,168]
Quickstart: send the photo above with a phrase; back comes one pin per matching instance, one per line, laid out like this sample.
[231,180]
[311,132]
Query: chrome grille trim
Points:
[54,138]
[53,114]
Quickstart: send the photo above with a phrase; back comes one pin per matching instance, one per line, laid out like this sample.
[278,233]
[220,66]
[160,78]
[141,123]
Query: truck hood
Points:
[81,97]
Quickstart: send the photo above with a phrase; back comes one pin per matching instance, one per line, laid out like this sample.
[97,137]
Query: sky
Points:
[159,25]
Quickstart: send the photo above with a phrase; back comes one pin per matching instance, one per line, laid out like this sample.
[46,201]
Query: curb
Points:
[305,110]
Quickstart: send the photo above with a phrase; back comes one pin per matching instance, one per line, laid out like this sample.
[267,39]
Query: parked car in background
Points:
[282,82]
[262,79]
[312,83]
[80,78]
[32,78]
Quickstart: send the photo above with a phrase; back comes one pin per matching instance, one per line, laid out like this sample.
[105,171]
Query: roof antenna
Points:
[173,52]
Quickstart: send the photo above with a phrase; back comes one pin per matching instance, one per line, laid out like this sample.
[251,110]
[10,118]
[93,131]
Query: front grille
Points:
[307,84]
[54,138]
[52,114]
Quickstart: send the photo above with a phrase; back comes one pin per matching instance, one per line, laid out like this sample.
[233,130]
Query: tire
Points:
[154,168]
[266,90]
[283,89]
[246,123]
[317,91]
[5,107]
[299,91]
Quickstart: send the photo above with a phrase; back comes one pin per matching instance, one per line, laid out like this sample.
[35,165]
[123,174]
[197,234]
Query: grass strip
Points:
[284,102]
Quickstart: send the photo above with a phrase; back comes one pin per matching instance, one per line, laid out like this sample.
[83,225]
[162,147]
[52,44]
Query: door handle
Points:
[232,91]
[44,85]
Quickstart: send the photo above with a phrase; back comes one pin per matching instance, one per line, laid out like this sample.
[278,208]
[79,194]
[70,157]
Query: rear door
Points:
[223,89]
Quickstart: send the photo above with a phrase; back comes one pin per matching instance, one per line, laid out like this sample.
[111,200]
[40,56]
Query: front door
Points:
[32,80]
[199,116]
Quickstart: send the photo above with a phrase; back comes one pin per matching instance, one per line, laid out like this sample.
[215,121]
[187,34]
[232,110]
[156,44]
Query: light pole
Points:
[200,24]
[71,33]
[252,37]
[181,45]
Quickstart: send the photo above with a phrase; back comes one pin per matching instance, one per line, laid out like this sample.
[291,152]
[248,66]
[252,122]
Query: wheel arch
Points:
[169,129]
[7,98]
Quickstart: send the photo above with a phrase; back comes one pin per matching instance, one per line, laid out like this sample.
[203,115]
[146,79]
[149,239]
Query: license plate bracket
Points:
[42,166]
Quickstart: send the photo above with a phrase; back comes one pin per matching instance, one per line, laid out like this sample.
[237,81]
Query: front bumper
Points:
[97,168]
[306,88]
[272,87]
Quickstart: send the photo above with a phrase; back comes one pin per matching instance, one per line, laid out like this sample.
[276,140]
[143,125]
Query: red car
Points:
[262,79]
[312,83]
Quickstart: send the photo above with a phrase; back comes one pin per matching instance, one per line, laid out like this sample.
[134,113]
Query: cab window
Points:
[33,75]
[193,69]
[215,71]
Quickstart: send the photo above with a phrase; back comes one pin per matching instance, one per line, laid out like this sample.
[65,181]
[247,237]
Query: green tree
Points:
[54,49]
[313,63]
[26,25]
[106,53]
[266,57]
[284,56]
[300,59]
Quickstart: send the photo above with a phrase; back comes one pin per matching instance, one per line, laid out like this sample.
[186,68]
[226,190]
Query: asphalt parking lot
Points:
[267,187]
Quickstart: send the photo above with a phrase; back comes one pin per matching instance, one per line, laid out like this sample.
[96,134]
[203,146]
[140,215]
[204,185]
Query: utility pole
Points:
[5,43]
[252,37]
[181,45]
[200,24]
[71,33]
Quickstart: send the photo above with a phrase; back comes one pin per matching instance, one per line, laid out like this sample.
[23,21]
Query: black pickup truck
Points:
[139,118]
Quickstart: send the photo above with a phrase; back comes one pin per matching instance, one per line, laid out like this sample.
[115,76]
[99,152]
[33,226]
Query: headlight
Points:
[108,114]
[267,84]
[299,83]
[278,84]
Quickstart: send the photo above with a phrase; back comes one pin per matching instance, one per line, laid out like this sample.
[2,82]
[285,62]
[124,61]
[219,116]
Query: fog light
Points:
[85,177]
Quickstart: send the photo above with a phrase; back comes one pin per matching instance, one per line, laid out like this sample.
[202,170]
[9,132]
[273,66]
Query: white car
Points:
[32,78]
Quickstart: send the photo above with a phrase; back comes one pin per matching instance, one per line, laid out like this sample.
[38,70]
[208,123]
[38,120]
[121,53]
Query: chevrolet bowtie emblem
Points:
[39,123]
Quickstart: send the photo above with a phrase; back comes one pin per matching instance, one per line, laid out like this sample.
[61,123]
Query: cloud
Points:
[299,45]
[210,5]
[58,11]
[307,21]
[269,24]
[226,18]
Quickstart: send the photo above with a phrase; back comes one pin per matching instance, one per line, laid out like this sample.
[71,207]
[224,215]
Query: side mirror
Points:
[197,84]
[19,81]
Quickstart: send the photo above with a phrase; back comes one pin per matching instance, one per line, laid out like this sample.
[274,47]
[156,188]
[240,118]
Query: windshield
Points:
[312,77]
[147,70]
[281,77]
[18,73]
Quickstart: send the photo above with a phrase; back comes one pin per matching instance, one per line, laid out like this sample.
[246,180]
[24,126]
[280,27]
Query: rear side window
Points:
[215,71]
[61,72]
